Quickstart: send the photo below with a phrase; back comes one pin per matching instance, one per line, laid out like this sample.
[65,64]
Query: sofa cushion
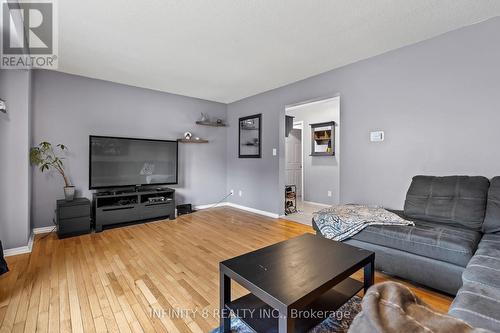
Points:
[452,200]
[433,240]
[484,267]
[492,218]
[477,305]
[436,274]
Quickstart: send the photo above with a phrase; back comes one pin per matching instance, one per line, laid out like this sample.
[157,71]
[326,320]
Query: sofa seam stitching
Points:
[441,247]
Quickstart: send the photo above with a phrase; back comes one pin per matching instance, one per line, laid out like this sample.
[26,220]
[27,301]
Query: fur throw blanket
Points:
[391,307]
[344,221]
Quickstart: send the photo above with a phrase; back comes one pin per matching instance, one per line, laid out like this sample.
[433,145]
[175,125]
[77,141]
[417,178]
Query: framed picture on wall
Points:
[250,135]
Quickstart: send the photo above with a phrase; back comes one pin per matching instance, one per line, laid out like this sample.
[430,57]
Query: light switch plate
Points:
[377,136]
[275,152]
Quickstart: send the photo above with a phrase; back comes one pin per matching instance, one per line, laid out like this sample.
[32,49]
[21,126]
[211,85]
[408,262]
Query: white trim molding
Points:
[44,230]
[22,249]
[253,210]
[245,208]
[316,203]
[29,247]
[200,207]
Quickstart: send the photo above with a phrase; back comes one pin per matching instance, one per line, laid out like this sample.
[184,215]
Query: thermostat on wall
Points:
[377,136]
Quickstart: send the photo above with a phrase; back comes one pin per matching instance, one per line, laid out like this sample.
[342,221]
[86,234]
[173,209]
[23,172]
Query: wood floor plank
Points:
[53,324]
[155,277]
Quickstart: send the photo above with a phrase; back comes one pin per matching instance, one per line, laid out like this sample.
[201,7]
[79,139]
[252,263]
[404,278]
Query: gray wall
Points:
[321,173]
[68,108]
[14,162]
[437,101]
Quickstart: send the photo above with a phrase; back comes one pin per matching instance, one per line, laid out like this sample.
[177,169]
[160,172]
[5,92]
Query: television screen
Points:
[116,162]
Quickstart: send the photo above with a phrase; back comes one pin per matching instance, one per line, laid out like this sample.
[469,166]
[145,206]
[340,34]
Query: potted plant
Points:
[44,157]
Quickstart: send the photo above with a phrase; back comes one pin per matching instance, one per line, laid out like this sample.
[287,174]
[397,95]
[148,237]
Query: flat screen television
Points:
[121,162]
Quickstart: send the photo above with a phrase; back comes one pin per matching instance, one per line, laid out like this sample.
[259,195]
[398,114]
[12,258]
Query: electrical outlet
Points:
[275,152]
[231,192]
[240,193]
[329,193]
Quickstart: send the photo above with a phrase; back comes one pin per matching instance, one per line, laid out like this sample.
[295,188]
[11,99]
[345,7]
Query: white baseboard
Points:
[27,248]
[43,230]
[316,203]
[200,207]
[245,208]
[22,249]
[253,210]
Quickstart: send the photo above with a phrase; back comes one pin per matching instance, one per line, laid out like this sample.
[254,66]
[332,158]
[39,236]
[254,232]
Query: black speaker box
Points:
[184,209]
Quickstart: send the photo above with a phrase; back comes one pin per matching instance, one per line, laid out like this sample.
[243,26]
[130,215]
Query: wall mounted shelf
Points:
[323,139]
[192,141]
[210,123]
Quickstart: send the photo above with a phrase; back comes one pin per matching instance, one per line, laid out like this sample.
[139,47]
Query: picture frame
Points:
[250,136]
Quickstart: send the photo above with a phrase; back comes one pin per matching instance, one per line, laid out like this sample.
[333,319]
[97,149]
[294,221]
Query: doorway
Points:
[315,177]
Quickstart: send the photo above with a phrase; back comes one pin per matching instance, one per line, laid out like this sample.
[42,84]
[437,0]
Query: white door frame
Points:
[300,125]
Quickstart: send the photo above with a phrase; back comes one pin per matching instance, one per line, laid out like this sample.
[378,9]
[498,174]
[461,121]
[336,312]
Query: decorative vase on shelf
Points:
[69,193]
[204,117]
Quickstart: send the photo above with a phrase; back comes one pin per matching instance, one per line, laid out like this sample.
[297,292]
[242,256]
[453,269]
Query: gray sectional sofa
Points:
[454,246]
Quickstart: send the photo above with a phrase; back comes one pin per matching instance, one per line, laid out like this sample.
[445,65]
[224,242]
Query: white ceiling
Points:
[225,50]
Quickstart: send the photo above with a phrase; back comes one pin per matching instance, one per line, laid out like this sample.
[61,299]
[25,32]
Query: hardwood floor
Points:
[132,279]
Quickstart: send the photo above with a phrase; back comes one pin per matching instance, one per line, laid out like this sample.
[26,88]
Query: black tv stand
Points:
[113,208]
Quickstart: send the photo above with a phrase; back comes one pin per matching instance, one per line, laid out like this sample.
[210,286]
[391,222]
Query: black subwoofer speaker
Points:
[184,209]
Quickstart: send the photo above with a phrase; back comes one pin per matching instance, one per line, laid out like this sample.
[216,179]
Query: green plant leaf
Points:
[44,157]
[35,156]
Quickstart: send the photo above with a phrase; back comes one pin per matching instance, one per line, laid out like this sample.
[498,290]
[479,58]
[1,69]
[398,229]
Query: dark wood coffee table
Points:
[290,280]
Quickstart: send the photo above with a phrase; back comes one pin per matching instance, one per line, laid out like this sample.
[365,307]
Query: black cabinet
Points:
[73,217]
[111,208]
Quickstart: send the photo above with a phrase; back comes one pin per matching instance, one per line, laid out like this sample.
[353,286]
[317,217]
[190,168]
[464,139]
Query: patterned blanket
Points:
[344,221]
